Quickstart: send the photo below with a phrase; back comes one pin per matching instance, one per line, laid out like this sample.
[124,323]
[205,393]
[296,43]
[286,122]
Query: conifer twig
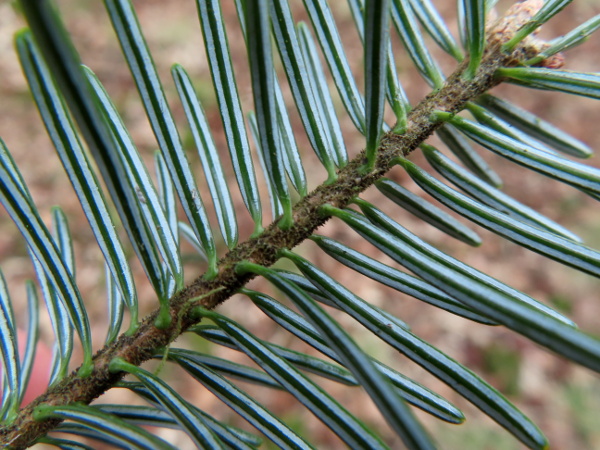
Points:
[264,249]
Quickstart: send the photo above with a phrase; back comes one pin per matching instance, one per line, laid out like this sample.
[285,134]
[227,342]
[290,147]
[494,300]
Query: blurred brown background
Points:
[562,399]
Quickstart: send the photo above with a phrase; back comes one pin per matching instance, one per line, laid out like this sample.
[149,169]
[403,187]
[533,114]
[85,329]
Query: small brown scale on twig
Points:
[516,16]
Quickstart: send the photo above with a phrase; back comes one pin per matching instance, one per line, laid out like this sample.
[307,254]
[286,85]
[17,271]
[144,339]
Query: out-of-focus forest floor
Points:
[563,399]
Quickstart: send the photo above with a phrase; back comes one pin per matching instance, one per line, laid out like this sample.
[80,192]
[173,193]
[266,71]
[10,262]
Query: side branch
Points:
[263,250]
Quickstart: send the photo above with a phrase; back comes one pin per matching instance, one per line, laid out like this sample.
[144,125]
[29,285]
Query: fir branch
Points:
[265,248]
